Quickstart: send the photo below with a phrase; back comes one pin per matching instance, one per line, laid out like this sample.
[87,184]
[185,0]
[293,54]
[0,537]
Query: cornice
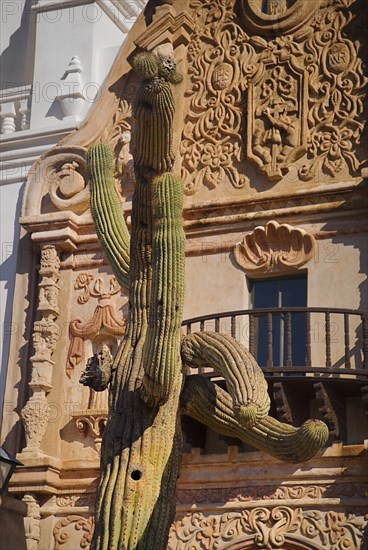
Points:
[46,474]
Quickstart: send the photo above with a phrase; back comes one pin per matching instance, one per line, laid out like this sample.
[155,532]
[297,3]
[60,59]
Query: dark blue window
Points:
[274,293]
[265,6]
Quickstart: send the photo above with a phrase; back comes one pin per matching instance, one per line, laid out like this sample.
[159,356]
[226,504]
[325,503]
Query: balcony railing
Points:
[310,341]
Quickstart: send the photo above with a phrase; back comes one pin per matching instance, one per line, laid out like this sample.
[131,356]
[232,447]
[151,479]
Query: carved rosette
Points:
[286,89]
[36,413]
[274,248]
[269,529]
[32,522]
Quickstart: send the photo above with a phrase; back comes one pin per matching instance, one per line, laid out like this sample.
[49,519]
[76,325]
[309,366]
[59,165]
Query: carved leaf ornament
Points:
[288,85]
[268,529]
[274,247]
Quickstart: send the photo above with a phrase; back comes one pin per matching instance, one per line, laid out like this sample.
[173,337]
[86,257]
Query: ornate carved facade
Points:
[271,141]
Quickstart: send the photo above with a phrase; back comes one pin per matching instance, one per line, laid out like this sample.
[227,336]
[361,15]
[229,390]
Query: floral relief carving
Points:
[36,413]
[70,501]
[274,247]
[73,532]
[220,59]
[250,493]
[269,529]
[294,100]
[337,88]
[36,416]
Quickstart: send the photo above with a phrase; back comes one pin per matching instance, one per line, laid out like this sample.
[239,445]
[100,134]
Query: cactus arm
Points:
[106,211]
[208,403]
[244,378]
[161,353]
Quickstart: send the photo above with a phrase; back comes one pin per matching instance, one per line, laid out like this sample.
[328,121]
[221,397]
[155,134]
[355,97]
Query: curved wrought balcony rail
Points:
[310,341]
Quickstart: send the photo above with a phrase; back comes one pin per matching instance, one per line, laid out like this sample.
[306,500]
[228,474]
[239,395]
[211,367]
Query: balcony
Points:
[315,359]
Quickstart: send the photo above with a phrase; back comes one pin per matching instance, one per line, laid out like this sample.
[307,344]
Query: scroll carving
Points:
[267,528]
[91,423]
[274,247]
[279,493]
[73,532]
[36,413]
[291,101]
[65,170]
[218,57]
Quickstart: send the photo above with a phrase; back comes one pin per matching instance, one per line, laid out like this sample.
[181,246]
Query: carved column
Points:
[32,522]
[36,413]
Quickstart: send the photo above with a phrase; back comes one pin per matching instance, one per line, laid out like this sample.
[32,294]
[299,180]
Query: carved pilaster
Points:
[36,413]
[32,522]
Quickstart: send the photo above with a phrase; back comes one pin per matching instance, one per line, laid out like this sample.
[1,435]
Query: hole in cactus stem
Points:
[146,106]
[136,475]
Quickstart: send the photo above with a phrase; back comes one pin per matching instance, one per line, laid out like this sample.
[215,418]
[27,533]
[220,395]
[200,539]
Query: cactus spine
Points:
[141,447]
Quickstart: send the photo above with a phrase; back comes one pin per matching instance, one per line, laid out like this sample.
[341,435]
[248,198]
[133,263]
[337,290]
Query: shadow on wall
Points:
[17,60]
[12,532]
[8,264]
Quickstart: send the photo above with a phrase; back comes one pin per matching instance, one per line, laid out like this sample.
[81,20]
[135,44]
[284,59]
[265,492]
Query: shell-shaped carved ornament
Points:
[274,247]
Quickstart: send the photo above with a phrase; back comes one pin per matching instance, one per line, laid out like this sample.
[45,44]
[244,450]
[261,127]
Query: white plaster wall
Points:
[9,212]
[17,39]
[83,30]
[36,47]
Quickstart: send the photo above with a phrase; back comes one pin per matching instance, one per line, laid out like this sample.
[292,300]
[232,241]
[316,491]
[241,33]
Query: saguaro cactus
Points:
[141,447]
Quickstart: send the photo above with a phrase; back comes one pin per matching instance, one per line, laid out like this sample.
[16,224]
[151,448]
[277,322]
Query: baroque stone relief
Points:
[269,529]
[274,247]
[105,323]
[294,101]
[104,319]
[73,532]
